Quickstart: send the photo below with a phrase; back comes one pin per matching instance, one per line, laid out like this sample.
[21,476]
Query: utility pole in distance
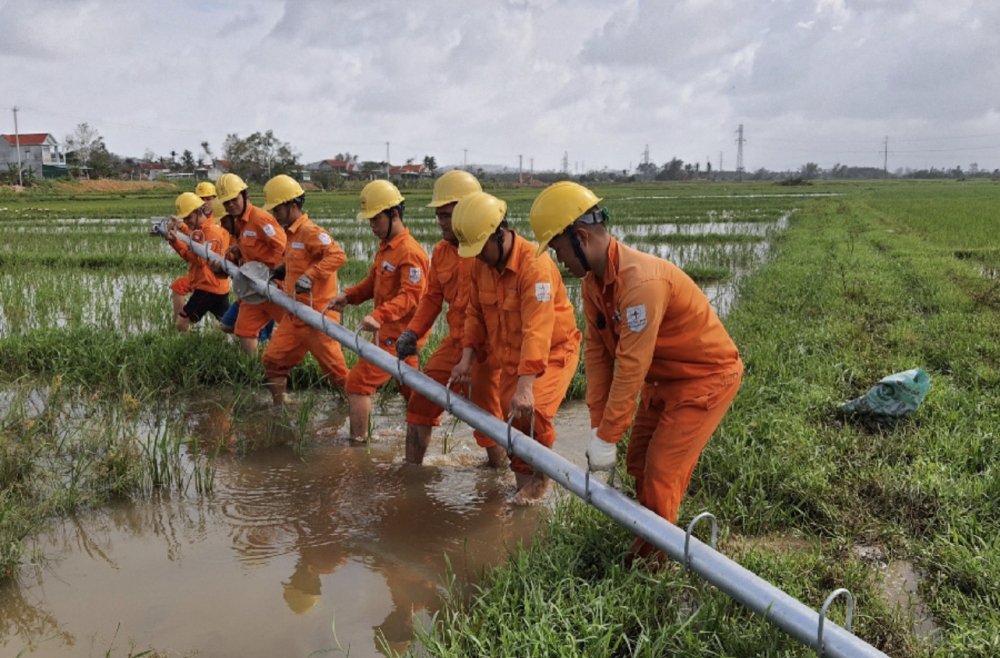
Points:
[520,169]
[885,162]
[17,145]
[465,159]
[739,153]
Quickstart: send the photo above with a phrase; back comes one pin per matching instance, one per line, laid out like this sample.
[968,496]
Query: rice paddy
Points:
[824,292]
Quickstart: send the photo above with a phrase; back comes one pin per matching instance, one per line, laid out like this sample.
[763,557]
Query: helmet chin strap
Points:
[578,250]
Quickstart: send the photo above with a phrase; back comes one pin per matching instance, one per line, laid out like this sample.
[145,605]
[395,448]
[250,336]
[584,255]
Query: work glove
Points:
[601,455]
[278,273]
[406,344]
[304,285]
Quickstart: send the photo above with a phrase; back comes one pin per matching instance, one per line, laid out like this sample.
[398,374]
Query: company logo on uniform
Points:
[269,230]
[635,316]
[249,234]
[298,245]
[543,292]
[324,238]
[388,267]
[415,275]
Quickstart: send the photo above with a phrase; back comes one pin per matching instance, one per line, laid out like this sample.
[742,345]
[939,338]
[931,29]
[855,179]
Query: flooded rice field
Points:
[294,551]
[303,542]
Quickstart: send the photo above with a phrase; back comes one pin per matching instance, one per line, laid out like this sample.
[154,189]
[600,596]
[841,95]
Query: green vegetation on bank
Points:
[858,290]
[882,278]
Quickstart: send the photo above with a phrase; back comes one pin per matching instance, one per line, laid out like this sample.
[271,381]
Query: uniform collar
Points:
[398,239]
[297,224]
[245,217]
[518,252]
[611,269]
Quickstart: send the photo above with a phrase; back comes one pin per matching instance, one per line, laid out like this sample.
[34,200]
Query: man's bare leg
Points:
[533,488]
[496,456]
[248,345]
[361,411]
[183,324]
[418,437]
[278,386]
[178,301]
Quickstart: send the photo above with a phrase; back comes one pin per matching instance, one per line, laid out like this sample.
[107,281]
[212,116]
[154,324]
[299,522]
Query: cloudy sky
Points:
[824,81]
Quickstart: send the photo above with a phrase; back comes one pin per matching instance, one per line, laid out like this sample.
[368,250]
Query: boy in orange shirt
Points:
[397,279]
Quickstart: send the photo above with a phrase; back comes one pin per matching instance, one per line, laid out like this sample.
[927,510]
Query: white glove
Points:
[601,455]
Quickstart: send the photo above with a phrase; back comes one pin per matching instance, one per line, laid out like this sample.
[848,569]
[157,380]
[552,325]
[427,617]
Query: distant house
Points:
[37,150]
[218,168]
[343,167]
[145,171]
[409,171]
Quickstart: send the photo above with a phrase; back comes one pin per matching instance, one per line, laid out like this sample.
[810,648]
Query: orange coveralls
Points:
[525,320]
[650,328]
[182,285]
[449,281]
[200,276]
[396,281]
[309,250]
[260,239]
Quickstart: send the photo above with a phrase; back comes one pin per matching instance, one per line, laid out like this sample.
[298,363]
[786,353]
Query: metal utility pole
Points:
[520,175]
[739,153]
[885,162]
[720,162]
[465,159]
[645,156]
[565,162]
[387,154]
[532,171]
[17,146]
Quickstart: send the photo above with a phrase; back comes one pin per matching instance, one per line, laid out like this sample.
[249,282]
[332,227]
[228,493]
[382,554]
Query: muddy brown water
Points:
[338,548]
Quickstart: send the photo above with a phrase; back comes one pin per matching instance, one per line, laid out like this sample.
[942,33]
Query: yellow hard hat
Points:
[218,210]
[475,219]
[298,601]
[205,189]
[452,186]
[377,196]
[187,203]
[281,189]
[229,187]
[558,206]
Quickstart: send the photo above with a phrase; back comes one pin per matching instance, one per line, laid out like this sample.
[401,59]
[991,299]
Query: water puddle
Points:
[286,551]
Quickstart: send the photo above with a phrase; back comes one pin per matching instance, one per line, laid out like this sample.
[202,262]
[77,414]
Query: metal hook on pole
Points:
[822,616]
[687,538]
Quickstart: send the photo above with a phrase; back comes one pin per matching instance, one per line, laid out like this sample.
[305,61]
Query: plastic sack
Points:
[896,396]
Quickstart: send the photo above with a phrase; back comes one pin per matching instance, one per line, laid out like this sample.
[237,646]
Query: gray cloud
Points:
[824,80]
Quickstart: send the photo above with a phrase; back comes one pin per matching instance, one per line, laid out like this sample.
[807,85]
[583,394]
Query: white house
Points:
[36,149]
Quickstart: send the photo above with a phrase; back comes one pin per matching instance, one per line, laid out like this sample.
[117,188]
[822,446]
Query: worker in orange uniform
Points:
[397,279]
[210,292]
[519,312]
[448,281]
[650,330]
[181,287]
[312,259]
[259,238]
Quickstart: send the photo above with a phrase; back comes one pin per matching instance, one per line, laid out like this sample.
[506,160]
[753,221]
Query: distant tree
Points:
[260,156]
[646,170]
[809,171]
[672,170]
[208,156]
[187,161]
[103,163]
[82,142]
[430,163]
[149,156]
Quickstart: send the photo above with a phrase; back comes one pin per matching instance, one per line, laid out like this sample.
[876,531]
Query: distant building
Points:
[343,167]
[218,168]
[409,171]
[37,150]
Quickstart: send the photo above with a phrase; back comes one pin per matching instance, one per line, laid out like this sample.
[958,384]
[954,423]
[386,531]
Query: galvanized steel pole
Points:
[787,613]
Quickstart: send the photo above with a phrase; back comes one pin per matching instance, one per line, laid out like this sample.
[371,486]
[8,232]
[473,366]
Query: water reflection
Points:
[286,545]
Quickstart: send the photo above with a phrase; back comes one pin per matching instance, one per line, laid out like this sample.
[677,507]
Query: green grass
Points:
[860,288]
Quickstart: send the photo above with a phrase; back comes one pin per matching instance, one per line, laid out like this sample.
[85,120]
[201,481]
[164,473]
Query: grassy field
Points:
[870,280]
